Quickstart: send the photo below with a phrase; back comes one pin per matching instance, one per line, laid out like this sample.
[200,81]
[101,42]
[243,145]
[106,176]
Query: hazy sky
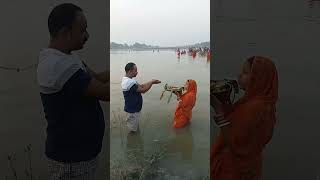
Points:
[160,22]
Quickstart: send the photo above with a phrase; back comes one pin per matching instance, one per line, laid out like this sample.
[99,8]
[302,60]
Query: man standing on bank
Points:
[70,94]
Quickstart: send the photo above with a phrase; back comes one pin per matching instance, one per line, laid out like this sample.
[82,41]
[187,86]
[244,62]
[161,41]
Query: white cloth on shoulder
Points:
[55,68]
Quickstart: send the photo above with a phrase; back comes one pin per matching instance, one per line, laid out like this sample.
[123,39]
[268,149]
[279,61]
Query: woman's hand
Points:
[219,118]
[216,104]
[178,94]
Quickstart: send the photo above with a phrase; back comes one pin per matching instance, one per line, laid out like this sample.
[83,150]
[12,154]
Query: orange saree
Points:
[187,101]
[237,153]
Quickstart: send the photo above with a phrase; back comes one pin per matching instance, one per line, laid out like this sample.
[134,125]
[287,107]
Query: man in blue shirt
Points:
[132,95]
[70,93]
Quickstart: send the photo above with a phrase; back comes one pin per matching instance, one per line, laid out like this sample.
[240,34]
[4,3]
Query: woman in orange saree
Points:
[208,56]
[246,126]
[187,101]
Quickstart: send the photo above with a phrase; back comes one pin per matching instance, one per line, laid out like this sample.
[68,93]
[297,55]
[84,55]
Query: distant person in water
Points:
[208,55]
[70,93]
[186,102]
[194,53]
[132,95]
[246,127]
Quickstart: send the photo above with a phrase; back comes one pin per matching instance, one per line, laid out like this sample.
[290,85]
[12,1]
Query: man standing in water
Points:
[70,94]
[132,95]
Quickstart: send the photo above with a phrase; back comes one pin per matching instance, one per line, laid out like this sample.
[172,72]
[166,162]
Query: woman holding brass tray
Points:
[246,126]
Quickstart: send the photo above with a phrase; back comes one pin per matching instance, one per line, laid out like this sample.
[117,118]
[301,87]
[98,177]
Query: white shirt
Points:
[55,68]
[127,83]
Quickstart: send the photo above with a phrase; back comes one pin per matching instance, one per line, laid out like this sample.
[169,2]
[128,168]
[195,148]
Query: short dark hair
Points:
[129,66]
[62,16]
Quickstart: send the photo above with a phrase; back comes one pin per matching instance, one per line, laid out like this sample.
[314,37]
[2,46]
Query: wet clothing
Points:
[133,121]
[133,102]
[183,113]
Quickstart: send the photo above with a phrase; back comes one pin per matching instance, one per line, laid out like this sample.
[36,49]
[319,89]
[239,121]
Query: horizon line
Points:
[160,45]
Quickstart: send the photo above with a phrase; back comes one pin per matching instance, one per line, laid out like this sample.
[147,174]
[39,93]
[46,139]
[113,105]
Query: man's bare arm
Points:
[98,90]
[103,77]
[143,88]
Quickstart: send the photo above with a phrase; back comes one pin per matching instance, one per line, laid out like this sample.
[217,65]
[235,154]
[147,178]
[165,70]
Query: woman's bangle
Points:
[222,121]
[223,124]
[219,117]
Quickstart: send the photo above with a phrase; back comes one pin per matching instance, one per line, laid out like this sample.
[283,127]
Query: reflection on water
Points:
[181,143]
[135,150]
[170,150]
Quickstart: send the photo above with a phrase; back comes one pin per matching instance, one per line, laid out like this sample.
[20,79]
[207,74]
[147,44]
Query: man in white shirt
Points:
[132,95]
[70,93]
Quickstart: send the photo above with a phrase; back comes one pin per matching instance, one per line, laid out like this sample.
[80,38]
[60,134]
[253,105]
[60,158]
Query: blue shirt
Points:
[75,122]
[133,98]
